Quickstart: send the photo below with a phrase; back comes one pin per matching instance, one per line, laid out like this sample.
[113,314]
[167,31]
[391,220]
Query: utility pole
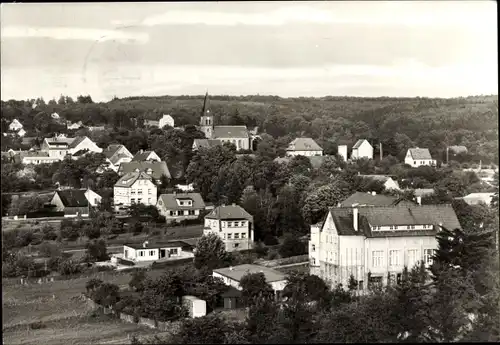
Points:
[447,155]
[381,153]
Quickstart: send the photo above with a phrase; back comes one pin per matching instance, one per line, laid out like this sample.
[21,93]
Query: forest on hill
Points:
[397,123]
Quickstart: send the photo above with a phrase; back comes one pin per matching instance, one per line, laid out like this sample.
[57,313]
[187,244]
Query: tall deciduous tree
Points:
[210,252]
[254,286]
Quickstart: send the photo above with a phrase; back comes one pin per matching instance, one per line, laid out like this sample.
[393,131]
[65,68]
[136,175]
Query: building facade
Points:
[179,206]
[417,157]
[134,188]
[362,149]
[233,225]
[304,147]
[374,244]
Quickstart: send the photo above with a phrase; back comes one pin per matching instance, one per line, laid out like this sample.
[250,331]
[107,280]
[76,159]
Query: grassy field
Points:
[64,315]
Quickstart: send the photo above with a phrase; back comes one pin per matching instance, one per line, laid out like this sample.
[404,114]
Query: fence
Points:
[164,326]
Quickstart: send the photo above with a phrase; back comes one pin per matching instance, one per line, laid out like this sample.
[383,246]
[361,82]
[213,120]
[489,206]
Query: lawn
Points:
[64,313]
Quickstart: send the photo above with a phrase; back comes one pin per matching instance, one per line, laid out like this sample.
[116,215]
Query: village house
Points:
[233,225]
[134,188]
[362,199]
[231,276]
[304,147]
[15,125]
[389,183]
[165,120]
[374,244]
[59,146]
[362,149]
[146,156]
[35,157]
[478,198]
[180,206]
[75,202]
[154,169]
[237,135]
[147,251]
[116,154]
[417,157]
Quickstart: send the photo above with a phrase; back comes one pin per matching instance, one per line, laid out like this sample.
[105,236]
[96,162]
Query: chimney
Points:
[355,217]
[145,244]
[374,193]
[419,200]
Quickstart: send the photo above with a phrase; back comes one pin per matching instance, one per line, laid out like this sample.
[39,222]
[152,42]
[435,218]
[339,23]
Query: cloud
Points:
[61,33]
[338,13]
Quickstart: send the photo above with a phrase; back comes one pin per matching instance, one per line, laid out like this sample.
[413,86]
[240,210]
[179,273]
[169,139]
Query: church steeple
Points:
[206,120]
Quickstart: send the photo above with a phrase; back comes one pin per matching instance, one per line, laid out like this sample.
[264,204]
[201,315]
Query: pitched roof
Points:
[358,143]
[230,132]
[73,197]
[237,272]
[77,141]
[158,168]
[141,156]
[229,212]
[170,203]
[207,143]
[368,199]
[394,215]
[59,140]
[476,198]
[418,153]
[116,158]
[111,150]
[129,179]
[303,144]
[80,153]
[424,191]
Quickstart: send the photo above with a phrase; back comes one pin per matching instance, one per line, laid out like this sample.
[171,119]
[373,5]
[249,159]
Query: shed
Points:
[231,298]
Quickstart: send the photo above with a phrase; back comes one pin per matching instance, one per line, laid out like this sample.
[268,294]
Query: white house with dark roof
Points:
[180,206]
[304,147]
[135,188]
[116,154]
[417,157]
[156,251]
[146,156]
[389,182]
[75,202]
[59,146]
[373,243]
[233,225]
[362,149]
[153,169]
[35,158]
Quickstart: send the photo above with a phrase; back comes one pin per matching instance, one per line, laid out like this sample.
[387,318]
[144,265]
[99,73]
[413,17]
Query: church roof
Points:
[230,132]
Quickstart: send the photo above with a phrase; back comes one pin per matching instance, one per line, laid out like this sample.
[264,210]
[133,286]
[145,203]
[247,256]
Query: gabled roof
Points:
[142,156]
[158,168]
[77,141]
[73,197]
[111,150]
[207,143]
[304,144]
[117,157]
[395,215]
[367,199]
[59,140]
[170,201]
[129,179]
[230,132]
[418,153]
[229,212]
[476,198]
[80,153]
[359,143]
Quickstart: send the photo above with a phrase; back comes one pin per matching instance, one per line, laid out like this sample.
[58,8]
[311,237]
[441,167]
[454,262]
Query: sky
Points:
[289,49]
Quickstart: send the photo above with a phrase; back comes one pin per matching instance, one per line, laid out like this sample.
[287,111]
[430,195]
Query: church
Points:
[240,136]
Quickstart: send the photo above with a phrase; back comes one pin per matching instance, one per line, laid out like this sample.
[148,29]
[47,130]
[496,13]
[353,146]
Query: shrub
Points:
[38,325]
[69,267]
[106,294]
[270,240]
[49,234]
[260,249]
[93,284]
[137,280]
[292,247]
[49,250]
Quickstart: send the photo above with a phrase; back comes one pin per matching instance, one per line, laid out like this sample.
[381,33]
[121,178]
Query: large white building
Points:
[417,157]
[304,147]
[372,242]
[135,188]
[233,225]
[362,149]
[59,146]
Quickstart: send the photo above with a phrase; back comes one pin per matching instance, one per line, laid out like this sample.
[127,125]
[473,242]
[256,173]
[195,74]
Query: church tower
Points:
[207,120]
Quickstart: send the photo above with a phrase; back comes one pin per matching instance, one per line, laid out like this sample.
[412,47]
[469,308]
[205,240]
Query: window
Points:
[139,200]
[243,235]
[149,191]
[236,236]
[229,224]
[391,227]
[360,284]
[408,227]
[139,191]
[141,253]
[428,254]
[313,248]
[151,252]
[173,251]
[398,278]
[180,213]
[132,201]
[236,224]
[414,162]
[236,245]
[181,203]
[224,236]
[412,227]
[412,258]
[313,261]
[171,213]
[191,212]
[394,258]
[377,258]
[229,236]
[149,200]
[133,191]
